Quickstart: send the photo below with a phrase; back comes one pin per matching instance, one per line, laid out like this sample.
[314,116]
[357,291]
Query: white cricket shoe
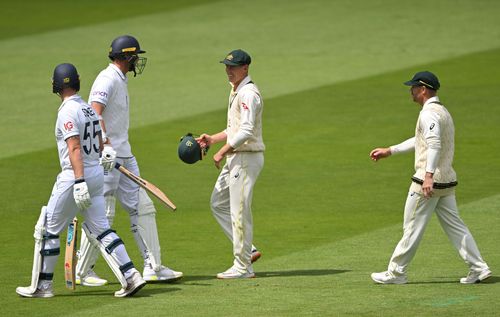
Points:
[134,283]
[91,279]
[255,255]
[165,274]
[388,278]
[476,277]
[43,290]
[232,272]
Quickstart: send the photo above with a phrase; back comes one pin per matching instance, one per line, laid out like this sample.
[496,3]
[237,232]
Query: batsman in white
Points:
[432,188]
[110,100]
[79,186]
[231,200]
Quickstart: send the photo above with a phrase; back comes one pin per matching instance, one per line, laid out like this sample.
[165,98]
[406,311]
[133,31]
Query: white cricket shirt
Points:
[244,118]
[76,117]
[110,89]
[435,132]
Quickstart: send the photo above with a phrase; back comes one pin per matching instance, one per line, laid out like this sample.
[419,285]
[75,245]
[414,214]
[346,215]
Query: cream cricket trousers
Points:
[231,203]
[418,211]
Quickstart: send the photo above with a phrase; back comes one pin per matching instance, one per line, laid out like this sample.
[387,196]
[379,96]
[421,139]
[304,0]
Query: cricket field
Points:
[325,215]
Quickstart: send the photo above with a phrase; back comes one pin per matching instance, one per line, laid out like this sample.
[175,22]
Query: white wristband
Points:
[104,136]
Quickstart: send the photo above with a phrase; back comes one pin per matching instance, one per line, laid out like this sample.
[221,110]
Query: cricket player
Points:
[231,200]
[432,188]
[79,186]
[110,100]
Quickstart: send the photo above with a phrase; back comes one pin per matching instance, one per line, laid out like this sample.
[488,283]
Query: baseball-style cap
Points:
[237,57]
[424,78]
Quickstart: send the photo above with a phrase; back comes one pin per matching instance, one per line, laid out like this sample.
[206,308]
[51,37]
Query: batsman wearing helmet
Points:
[231,200]
[79,186]
[110,99]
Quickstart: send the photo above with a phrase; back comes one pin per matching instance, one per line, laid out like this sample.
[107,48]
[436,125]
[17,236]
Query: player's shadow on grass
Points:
[144,292]
[319,272]
[192,278]
[147,292]
[491,280]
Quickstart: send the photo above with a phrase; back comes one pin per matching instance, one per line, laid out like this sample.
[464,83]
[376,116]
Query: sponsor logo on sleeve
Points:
[100,93]
[68,126]
[244,106]
[432,126]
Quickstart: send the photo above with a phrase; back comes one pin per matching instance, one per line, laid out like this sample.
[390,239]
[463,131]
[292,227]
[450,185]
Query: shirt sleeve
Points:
[249,103]
[67,122]
[404,146]
[101,90]
[429,123]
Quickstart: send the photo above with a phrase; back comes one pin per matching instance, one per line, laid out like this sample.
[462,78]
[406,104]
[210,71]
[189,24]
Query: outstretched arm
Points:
[378,153]
[403,147]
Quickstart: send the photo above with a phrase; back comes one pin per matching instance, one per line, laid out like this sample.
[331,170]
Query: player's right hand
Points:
[81,194]
[107,159]
[204,140]
[379,153]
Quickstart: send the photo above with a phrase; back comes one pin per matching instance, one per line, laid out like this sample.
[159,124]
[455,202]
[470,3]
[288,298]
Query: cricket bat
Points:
[70,256]
[147,186]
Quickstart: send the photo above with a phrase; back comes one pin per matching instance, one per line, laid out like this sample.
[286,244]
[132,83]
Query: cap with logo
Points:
[424,78]
[236,58]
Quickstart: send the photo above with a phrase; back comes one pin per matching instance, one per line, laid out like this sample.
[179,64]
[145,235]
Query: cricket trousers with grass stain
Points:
[231,202]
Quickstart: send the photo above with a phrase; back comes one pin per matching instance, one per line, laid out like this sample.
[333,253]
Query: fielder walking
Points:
[79,186]
[231,199]
[432,188]
[110,100]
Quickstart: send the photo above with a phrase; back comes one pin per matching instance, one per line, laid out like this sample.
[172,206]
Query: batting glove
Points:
[81,194]
[107,159]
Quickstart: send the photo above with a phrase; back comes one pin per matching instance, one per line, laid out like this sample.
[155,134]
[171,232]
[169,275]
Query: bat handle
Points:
[117,166]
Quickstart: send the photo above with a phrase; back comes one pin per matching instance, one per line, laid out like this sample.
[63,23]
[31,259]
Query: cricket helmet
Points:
[189,150]
[126,47]
[65,76]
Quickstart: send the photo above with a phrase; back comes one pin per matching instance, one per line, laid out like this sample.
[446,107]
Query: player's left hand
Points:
[107,159]
[428,186]
[81,194]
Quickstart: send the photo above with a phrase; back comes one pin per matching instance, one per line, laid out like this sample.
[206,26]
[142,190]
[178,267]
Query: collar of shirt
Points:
[245,81]
[73,97]
[116,69]
[430,100]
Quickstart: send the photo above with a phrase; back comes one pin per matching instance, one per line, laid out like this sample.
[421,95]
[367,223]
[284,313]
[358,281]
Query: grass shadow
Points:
[144,292]
[319,272]
[191,278]
[147,292]
[490,280]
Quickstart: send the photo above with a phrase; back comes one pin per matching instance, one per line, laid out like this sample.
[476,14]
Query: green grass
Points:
[32,16]
[325,215]
[296,46]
